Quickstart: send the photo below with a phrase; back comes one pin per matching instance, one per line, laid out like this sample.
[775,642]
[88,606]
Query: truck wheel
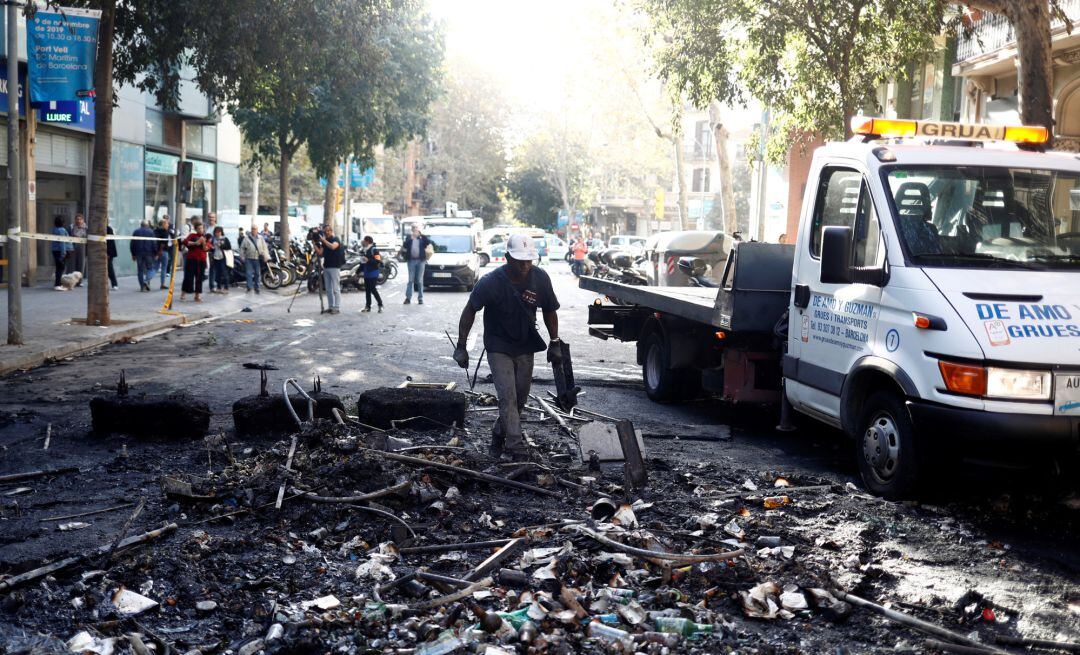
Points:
[885,446]
[661,383]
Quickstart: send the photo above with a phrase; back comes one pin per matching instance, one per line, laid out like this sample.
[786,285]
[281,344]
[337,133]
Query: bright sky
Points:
[528,45]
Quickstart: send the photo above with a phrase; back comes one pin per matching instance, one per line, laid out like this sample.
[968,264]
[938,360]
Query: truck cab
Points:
[934,301]
[936,296]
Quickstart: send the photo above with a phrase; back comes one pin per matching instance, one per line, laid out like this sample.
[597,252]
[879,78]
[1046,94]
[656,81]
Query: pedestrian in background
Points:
[329,248]
[267,234]
[252,249]
[416,255]
[165,249]
[219,261]
[60,250]
[197,245]
[110,252]
[77,259]
[370,261]
[509,297]
[144,253]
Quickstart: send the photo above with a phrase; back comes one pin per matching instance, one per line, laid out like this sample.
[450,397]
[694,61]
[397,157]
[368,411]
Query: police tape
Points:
[16,235]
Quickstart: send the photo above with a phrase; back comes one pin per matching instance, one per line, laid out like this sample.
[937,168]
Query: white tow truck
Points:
[930,307]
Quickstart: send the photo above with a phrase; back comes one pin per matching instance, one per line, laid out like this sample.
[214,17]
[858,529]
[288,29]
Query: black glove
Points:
[554,352]
[461,356]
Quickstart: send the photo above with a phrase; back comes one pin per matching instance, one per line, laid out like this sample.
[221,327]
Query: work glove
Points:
[554,352]
[461,356]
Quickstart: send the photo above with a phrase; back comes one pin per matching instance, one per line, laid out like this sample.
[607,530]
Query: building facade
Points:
[987,63]
[147,146]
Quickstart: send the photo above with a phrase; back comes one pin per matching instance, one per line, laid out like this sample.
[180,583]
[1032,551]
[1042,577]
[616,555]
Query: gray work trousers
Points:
[332,284]
[513,380]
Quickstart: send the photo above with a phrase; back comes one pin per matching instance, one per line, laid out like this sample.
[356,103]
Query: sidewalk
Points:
[50,333]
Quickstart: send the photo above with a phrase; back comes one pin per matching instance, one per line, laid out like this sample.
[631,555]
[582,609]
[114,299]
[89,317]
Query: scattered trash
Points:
[73,525]
[129,603]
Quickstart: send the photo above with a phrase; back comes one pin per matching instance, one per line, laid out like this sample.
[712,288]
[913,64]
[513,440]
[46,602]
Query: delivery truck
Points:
[929,306]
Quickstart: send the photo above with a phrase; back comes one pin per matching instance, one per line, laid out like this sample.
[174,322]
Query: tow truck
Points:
[931,300]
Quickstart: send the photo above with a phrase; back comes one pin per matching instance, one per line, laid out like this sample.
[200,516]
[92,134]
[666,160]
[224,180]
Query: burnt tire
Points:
[887,448]
[662,384]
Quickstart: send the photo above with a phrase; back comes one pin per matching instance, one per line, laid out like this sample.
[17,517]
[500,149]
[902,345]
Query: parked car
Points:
[557,248]
[629,242]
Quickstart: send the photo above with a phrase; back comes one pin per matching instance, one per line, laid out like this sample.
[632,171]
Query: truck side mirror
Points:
[836,255]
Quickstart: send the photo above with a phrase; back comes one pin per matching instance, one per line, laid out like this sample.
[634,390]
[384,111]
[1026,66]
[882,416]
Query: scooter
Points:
[696,270]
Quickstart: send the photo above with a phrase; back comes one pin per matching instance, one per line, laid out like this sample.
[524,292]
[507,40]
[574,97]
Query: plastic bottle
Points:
[681,626]
[517,618]
[663,638]
[599,630]
[447,642]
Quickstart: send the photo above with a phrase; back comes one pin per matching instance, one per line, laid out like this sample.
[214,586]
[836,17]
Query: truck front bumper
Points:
[1032,434]
[452,276]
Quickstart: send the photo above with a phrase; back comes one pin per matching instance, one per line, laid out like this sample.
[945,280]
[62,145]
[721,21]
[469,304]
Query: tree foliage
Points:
[465,149]
[814,63]
[341,76]
[538,200]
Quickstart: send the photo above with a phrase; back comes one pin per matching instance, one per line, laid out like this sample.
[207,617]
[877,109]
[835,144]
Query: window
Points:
[988,217]
[155,127]
[701,180]
[844,199]
[702,139]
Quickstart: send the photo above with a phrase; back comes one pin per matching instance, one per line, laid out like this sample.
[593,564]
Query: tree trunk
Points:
[283,195]
[727,193]
[97,283]
[330,198]
[1031,22]
[680,176]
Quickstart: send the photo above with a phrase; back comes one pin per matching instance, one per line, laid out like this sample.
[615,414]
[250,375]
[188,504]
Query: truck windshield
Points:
[379,225]
[988,217]
[453,243]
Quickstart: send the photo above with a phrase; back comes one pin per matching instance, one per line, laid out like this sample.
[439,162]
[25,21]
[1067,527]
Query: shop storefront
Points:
[160,191]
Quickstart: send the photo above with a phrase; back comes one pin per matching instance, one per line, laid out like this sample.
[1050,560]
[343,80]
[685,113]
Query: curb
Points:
[38,357]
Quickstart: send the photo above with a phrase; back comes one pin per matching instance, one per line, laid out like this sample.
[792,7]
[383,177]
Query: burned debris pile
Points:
[370,536]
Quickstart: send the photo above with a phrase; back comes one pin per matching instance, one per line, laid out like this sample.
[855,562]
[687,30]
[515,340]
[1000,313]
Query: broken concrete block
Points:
[603,439]
[177,415]
[268,415]
[439,407]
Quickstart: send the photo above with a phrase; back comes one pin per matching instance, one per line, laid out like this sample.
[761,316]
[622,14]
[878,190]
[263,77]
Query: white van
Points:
[455,262]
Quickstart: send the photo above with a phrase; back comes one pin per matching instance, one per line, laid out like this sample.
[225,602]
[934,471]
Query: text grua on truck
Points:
[930,306]
[455,262]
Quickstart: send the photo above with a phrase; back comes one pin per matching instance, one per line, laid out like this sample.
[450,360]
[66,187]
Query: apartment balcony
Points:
[992,38]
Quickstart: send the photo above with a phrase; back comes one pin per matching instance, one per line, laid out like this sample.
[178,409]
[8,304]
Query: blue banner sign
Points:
[4,91]
[60,49]
[357,179]
[73,113]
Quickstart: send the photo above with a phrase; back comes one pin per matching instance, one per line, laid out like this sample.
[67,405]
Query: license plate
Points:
[1067,394]
[440,275]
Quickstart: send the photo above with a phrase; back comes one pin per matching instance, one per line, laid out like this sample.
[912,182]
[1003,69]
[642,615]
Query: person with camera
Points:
[509,297]
[416,254]
[329,248]
[370,262]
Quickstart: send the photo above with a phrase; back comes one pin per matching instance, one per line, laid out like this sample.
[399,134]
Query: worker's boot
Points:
[498,442]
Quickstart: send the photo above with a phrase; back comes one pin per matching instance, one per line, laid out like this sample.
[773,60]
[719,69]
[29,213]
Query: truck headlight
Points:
[1018,384]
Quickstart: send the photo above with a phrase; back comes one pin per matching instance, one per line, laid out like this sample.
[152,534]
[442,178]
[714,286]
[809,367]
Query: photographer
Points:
[329,248]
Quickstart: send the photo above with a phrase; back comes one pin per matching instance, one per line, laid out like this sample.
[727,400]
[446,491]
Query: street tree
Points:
[537,199]
[342,76]
[466,149]
[141,43]
[815,64]
[1030,20]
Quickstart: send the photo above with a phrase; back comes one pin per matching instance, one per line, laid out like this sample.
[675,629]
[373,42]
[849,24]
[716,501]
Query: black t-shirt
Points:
[510,310]
[333,257]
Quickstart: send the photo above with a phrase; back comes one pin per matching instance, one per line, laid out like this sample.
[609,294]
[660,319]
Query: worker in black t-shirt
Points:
[510,296]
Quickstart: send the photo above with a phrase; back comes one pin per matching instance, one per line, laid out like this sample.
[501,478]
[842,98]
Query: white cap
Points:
[521,248]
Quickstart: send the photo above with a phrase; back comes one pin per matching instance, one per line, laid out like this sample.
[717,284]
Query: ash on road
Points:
[989,554]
